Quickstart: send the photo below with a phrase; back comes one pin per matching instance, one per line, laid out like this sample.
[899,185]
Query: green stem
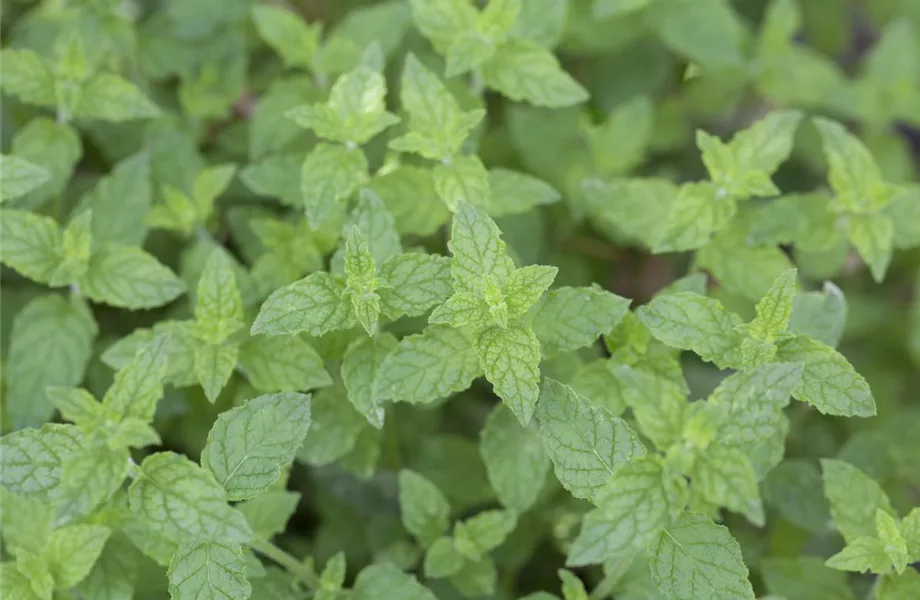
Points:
[291,564]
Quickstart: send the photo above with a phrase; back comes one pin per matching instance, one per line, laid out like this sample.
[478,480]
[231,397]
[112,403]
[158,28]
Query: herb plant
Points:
[441,299]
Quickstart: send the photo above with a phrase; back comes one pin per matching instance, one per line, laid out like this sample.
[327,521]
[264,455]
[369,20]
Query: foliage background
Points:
[222,93]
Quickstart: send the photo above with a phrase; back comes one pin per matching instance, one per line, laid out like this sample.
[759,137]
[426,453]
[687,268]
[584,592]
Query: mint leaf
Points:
[695,556]
[219,306]
[19,177]
[727,478]
[515,461]
[424,509]
[478,535]
[584,442]
[426,367]
[511,358]
[312,305]
[295,41]
[873,237]
[73,550]
[381,582]
[214,365]
[208,570]
[637,502]
[414,282]
[854,499]
[109,97]
[129,278]
[184,502]
[478,250]
[589,312]
[853,174]
[523,71]
[360,366]
[334,427]
[329,175]
[861,555]
[268,513]
[249,445]
[31,244]
[32,459]
[283,363]
[139,385]
[463,179]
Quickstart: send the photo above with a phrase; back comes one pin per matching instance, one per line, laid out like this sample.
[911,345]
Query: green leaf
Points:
[584,442]
[511,361]
[13,584]
[638,500]
[288,35]
[437,124]
[381,582]
[775,308]
[727,478]
[693,322]
[129,278]
[515,461]
[479,254]
[76,241]
[413,283]
[355,111]
[910,527]
[312,305]
[139,384]
[73,550]
[853,174]
[573,588]
[699,210]
[208,570]
[820,315]
[442,21]
[861,555]
[829,382]
[873,237]
[378,227]
[708,32]
[124,198]
[462,180]
[360,366]
[478,535]
[219,306]
[184,502]
[570,318]
[658,404]
[894,544]
[334,429]
[26,76]
[329,175]
[31,244]
[514,193]
[108,97]
[443,559]
[426,367]
[53,146]
[361,280]
[696,558]
[50,344]
[19,176]
[249,445]
[283,363]
[424,508]
[854,499]
[523,71]
[525,286]
[31,527]
[268,513]
[32,459]
[214,365]
[807,575]
[409,195]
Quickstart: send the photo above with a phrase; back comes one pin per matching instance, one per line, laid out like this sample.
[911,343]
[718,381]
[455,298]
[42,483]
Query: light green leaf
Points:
[288,35]
[329,175]
[516,463]
[24,522]
[334,428]
[283,363]
[413,283]
[124,198]
[511,361]
[477,536]
[910,527]
[618,145]
[52,145]
[584,442]
[442,21]
[525,286]
[820,315]
[31,244]
[905,586]
[424,508]
[639,500]
[437,124]
[465,309]
[409,195]
[569,318]
[512,192]
[873,237]
[355,111]
[73,550]
[129,278]
[708,32]
[699,210]
[76,242]
[26,76]
[249,445]
[443,559]
[861,555]
[360,367]
[774,310]
[696,558]
[726,478]
[139,384]
[807,575]
[31,459]
[184,502]
[894,544]
[478,251]
[829,382]
[462,180]
[214,570]
[573,588]
[112,577]
[693,322]
[381,582]
[19,176]
[50,344]
[268,513]
[214,365]
[853,174]
[219,306]
[428,366]
[541,21]
[523,71]
[108,97]
[854,499]
[377,225]
[312,305]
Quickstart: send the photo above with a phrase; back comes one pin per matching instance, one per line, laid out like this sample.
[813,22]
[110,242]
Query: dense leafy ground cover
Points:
[440,299]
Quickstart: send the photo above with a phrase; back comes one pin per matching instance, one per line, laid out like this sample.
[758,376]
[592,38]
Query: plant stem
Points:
[605,587]
[295,567]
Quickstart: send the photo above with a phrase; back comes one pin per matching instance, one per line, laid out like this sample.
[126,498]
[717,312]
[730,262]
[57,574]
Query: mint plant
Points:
[440,299]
